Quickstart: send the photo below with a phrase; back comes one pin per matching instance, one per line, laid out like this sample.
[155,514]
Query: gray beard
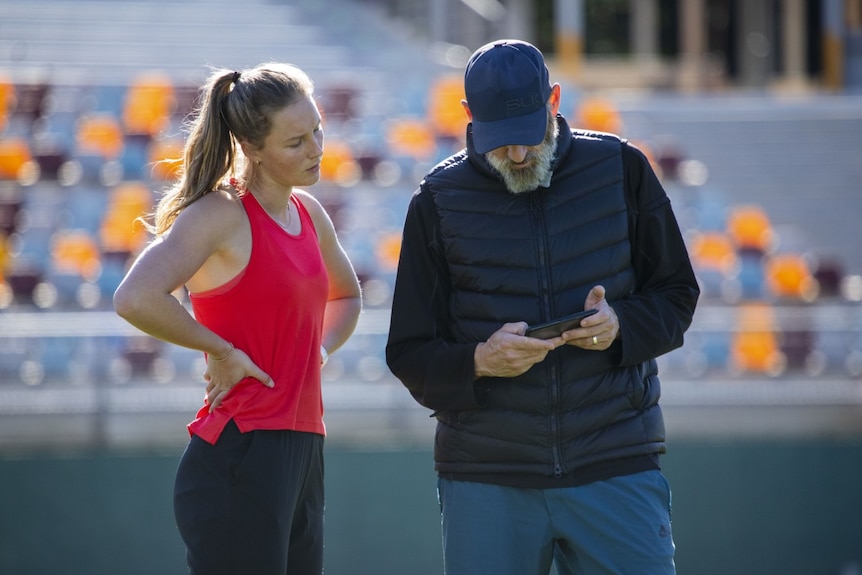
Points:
[522,180]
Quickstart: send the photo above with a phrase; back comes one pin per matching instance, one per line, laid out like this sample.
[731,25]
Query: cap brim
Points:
[526,130]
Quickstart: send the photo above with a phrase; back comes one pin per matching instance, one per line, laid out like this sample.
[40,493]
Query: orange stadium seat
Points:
[598,115]
[755,346]
[5,255]
[788,276]
[750,228]
[338,164]
[411,137]
[100,134]
[15,156]
[120,231]
[148,104]
[445,111]
[75,252]
[7,99]
[713,250]
[388,250]
[716,264]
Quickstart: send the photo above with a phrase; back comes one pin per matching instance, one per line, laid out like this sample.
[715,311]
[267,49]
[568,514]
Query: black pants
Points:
[252,504]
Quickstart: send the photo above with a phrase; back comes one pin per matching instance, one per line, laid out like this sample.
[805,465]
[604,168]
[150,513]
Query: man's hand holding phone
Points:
[598,335]
[555,328]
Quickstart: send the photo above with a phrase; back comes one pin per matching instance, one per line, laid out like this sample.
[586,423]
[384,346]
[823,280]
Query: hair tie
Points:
[236,77]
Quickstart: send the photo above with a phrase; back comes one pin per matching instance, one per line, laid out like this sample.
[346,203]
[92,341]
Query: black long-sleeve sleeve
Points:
[438,372]
[655,316]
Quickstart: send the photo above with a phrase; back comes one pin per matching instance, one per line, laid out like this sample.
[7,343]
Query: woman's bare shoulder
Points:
[307,200]
[212,221]
[313,206]
[221,206]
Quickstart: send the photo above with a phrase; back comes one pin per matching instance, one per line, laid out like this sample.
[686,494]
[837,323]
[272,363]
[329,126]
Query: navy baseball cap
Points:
[507,87]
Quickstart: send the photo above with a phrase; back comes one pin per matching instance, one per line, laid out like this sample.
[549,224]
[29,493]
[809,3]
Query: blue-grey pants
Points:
[252,503]
[620,526]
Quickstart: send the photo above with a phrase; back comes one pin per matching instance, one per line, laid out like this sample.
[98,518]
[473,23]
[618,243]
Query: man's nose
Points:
[517,153]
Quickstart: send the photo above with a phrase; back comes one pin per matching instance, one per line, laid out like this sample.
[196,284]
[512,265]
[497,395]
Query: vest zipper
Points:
[538,216]
[555,419]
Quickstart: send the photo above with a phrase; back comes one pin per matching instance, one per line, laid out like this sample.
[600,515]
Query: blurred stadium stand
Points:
[91,117]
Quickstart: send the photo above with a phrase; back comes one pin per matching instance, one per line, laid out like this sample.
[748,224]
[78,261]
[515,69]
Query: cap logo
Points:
[515,105]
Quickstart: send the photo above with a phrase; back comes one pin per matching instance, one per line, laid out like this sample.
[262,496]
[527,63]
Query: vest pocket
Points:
[637,389]
[644,385]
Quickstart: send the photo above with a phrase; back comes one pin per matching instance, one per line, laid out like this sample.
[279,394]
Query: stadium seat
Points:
[55,355]
[139,353]
[15,156]
[148,105]
[752,276]
[5,255]
[120,233]
[598,115]
[713,250]
[828,272]
[750,228]
[75,251]
[105,98]
[669,155]
[11,202]
[135,157]
[788,276]
[715,263]
[339,103]
[114,268]
[100,134]
[84,206]
[22,279]
[445,111]
[7,100]
[30,101]
[338,164]
[797,346]
[388,251]
[411,137]
[755,346]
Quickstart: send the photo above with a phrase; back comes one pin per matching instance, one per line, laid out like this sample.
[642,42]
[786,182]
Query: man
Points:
[547,450]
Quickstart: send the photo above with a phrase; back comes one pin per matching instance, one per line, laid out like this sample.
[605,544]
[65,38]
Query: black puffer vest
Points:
[533,257]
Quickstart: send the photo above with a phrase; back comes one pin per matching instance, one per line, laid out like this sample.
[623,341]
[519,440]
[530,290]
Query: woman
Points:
[272,293]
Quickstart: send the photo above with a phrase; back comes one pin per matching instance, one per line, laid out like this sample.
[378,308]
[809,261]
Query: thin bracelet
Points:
[227,355]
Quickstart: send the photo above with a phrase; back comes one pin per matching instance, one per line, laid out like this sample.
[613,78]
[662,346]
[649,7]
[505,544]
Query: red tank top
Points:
[273,311]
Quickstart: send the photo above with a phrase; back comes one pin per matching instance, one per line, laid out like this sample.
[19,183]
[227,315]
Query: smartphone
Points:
[556,327]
